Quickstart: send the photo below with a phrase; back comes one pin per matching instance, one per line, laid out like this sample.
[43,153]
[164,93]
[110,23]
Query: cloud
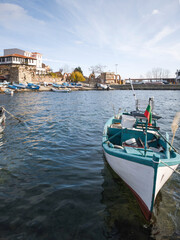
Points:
[166,31]
[15,18]
[79,42]
[155,11]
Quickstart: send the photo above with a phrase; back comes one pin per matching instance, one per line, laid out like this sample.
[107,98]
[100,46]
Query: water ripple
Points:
[55,183]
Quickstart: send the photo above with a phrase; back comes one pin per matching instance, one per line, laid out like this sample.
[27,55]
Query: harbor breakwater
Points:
[147,87]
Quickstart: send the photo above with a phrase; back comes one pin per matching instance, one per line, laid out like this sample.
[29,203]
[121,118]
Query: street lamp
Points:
[116,67]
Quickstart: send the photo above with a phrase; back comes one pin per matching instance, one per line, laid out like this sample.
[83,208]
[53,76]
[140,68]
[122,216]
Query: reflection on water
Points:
[54,180]
[123,219]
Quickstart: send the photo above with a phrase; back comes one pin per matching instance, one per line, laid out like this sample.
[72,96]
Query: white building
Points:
[34,55]
[17,59]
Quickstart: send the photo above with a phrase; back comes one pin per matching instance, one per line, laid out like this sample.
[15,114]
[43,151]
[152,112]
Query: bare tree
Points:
[158,73]
[166,73]
[61,70]
[149,74]
[66,68]
[97,69]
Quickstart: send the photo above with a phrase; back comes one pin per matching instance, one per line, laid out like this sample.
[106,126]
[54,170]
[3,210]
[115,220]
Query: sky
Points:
[130,37]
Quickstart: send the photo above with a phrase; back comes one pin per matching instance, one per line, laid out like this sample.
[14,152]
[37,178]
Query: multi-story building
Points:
[34,55]
[17,59]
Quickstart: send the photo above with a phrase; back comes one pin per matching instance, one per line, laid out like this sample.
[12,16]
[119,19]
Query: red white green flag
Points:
[148,114]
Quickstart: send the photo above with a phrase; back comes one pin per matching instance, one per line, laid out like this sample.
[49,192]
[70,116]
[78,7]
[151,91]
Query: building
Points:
[17,59]
[17,68]
[21,66]
[111,78]
[33,55]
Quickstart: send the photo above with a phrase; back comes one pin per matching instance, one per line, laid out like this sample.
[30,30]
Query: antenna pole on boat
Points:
[145,132]
[145,142]
[134,94]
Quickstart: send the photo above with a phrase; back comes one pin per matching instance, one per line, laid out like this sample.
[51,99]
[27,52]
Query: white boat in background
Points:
[137,151]
[103,86]
[61,90]
[5,83]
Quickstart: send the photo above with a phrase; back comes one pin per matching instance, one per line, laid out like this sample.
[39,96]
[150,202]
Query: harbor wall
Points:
[147,87]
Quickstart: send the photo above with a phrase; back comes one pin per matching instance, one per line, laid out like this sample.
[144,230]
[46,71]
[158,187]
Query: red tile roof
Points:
[36,53]
[18,55]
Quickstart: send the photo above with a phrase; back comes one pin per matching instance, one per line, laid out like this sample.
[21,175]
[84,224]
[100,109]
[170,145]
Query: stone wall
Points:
[5,71]
[25,74]
[18,73]
[45,78]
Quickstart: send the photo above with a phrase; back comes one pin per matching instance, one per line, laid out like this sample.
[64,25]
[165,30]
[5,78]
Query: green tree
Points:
[76,76]
[78,69]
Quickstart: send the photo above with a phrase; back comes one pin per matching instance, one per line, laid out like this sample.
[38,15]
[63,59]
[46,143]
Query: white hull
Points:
[141,180]
[61,90]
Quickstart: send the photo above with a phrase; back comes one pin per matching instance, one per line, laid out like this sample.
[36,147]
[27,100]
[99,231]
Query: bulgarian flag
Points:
[148,114]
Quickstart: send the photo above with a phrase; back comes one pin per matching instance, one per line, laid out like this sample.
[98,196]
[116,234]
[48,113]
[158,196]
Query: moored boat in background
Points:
[33,86]
[19,86]
[56,85]
[61,90]
[103,86]
[12,87]
[137,151]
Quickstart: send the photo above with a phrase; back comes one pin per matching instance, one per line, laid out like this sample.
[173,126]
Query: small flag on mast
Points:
[148,114]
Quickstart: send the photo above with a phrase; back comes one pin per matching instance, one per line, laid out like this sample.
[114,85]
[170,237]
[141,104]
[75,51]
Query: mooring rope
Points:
[12,115]
[170,167]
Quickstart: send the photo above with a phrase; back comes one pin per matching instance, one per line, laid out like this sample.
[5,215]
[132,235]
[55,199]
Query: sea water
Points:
[54,180]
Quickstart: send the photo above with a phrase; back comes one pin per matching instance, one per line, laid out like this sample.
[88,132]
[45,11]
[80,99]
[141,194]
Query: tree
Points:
[157,73]
[61,70]
[65,69]
[97,69]
[78,69]
[76,76]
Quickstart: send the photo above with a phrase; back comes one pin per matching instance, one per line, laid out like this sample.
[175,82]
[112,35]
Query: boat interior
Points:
[129,133]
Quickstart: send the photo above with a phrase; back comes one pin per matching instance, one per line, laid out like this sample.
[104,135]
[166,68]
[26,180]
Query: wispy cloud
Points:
[79,42]
[78,32]
[14,17]
[155,11]
[165,32]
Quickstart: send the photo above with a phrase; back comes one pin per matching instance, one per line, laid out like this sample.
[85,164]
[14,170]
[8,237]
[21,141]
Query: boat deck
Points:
[141,152]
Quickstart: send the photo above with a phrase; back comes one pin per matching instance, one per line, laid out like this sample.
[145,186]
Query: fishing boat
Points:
[137,151]
[20,85]
[33,86]
[61,90]
[2,119]
[56,85]
[103,86]
[12,87]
